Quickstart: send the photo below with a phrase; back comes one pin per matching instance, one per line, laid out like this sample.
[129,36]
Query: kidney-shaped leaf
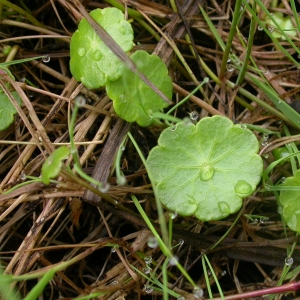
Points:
[290,202]
[53,164]
[133,99]
[7,110]
[92,62]
[205,169]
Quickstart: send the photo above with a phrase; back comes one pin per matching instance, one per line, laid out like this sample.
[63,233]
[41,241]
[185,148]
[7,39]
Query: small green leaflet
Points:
[92,62]
[289,201]
[133,99]
[53,164]
[7,110]
[205,169]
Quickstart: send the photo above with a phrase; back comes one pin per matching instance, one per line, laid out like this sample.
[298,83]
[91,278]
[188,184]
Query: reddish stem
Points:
[292,286]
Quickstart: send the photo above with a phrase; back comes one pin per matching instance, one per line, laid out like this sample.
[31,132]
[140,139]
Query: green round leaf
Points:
[133,99]
[53,164]
[205,169]
[290,202]
[7,110]
[92,62]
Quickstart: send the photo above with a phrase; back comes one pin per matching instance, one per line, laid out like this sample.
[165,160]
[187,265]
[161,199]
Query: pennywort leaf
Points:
[7,110]
[205,169]
[289,201]
[53,164]
[92,62]
[133,99]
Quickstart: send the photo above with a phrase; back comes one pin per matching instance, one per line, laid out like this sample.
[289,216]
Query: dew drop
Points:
[181,298]
[244,126]
[255,221]
[81,51]
[174,261]
[194,116]
[228,60]
[224,208]
[104,187]
[181,242]
[97,55]
[147,270]
[223,273]
[263,220]
[122,29]
[289,261]
[173,128]
[173,215]
[197,292]
[23,176]
[121,180]
[206,172]
[148,260]
[148,289]
[259,28]
[243,188]
[46,58]
[80,100]
[271,28]
[230,68]
[266,72]
[23,79]
[113,250]
[267,187]
[152,242]
[115,282]
[265,140]
[266,155]
[123,98]
[282,180]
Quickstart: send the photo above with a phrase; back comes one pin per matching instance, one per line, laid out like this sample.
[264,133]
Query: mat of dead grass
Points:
[44,225]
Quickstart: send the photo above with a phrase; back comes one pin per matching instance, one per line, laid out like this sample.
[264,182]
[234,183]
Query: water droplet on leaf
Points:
[289,261]
[174,261]
[266,155]
[181,242]
[243,188]
[230,68]
[23,176]
[97,55]
[223,273]
[194,116]
[148,289]
[173,128]
[104,187]
[147,270]
[181,298]
[259,28]
[244,126]
[206,172]
[121,180]
[122,30]
[263,220]
[173,214]
[152,242]
[123,98]
[113,250]
[224,208]
[271,29]
[81,51]
[80,100]
[148,260]
[46,58]
[197,292]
